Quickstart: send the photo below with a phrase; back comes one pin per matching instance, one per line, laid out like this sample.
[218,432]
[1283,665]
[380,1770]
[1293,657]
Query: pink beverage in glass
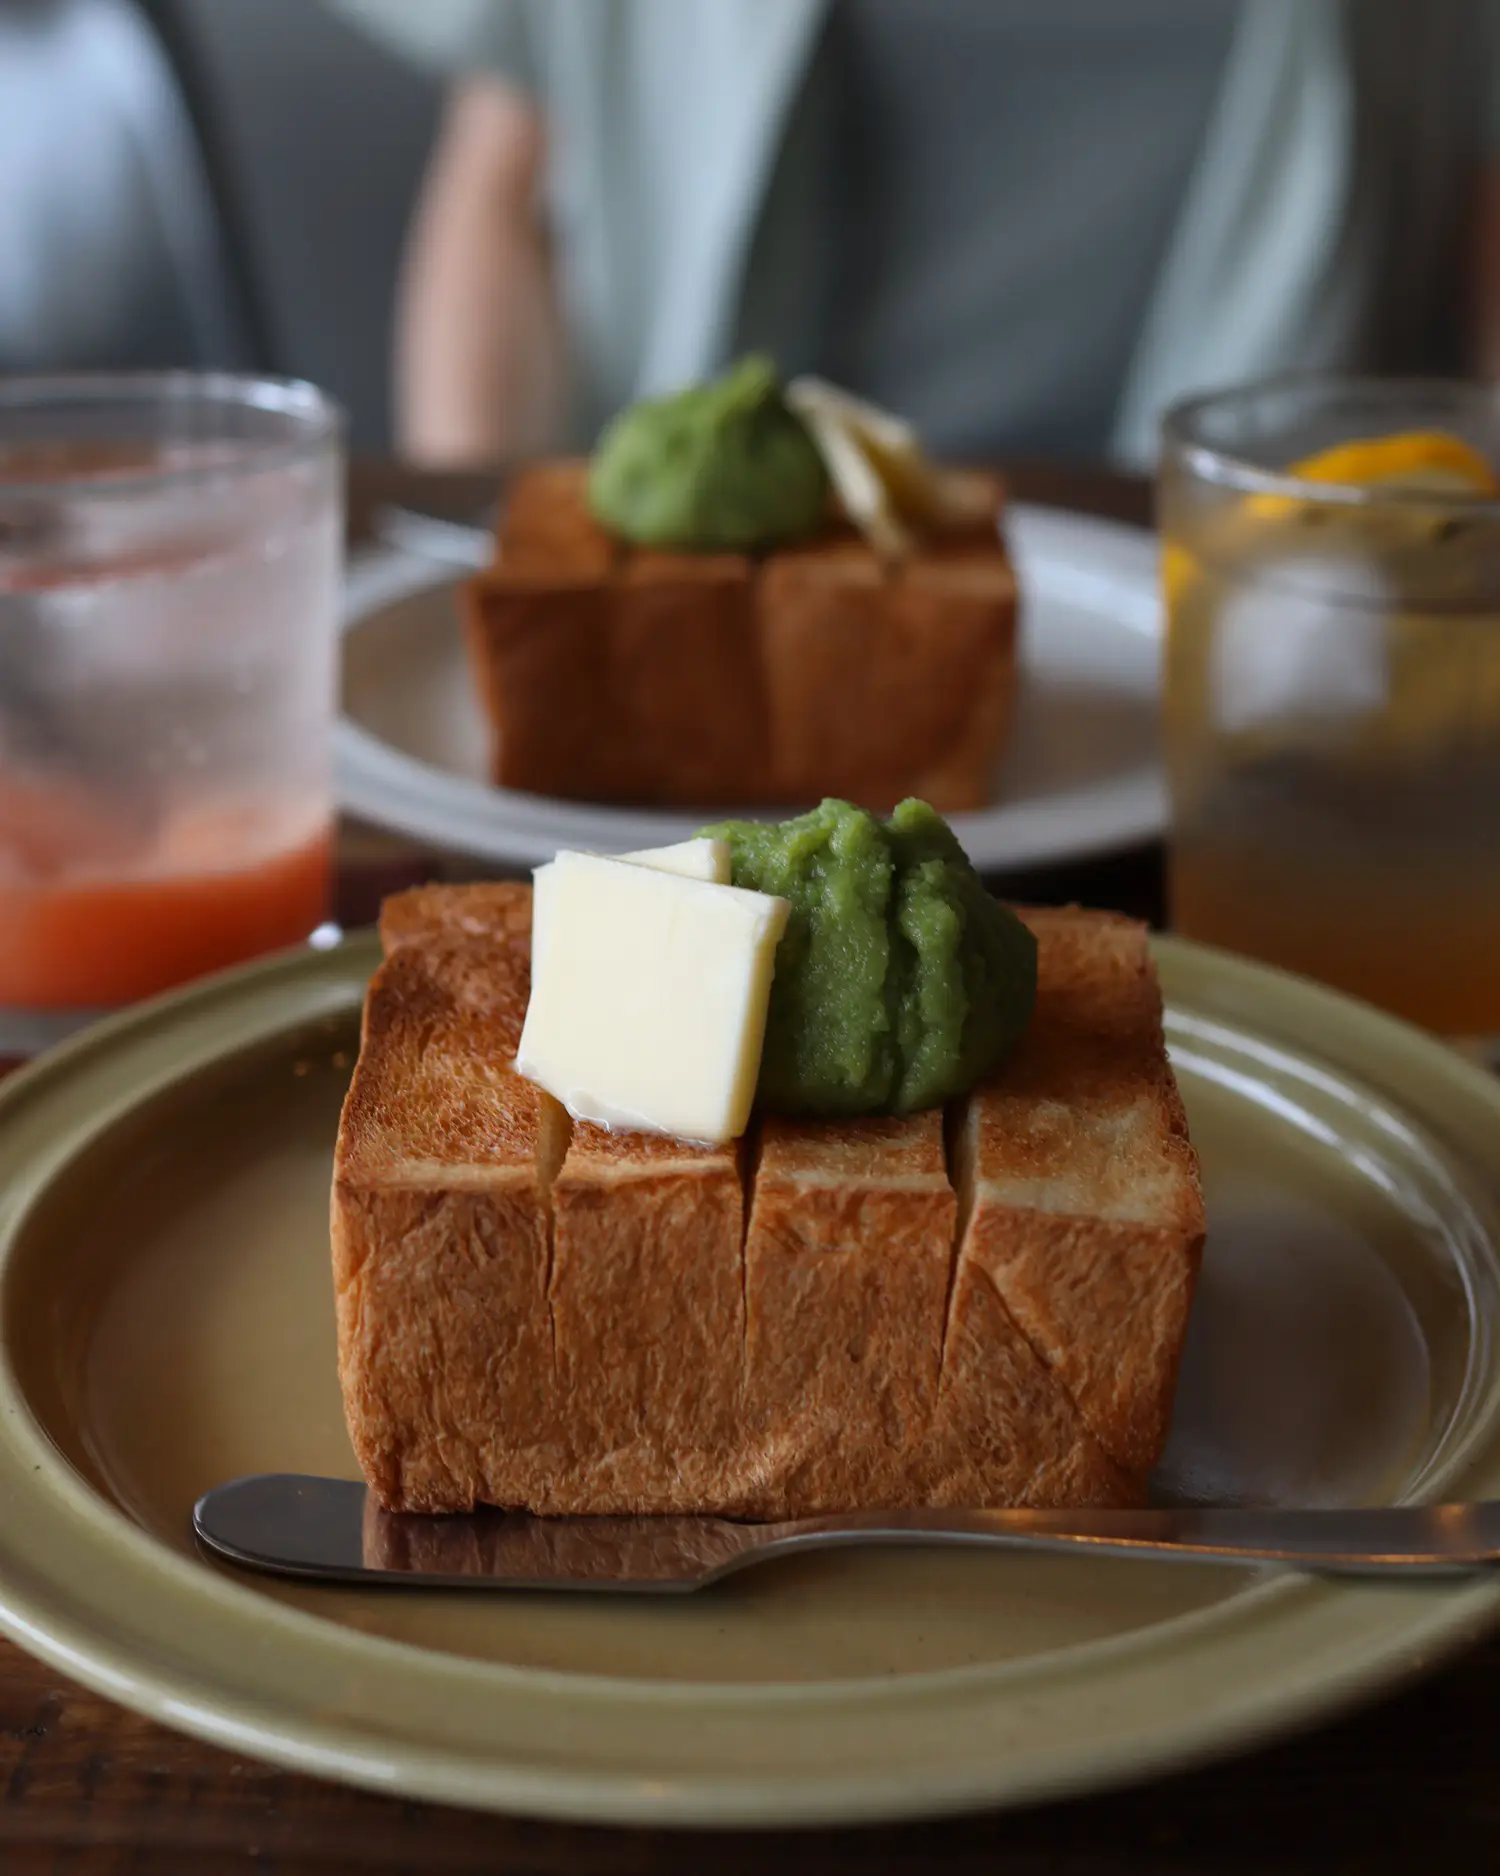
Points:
[170,557]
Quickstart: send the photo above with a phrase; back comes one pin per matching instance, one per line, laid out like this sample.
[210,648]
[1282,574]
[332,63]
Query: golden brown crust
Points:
[441,1231]
[434,1085]
[883,685]
[1005,1432]
[445,1354]
[538,624]
[437,912]
[548,525]
[687,678]
[539,649]
[958,607]
[648,1310]
[587,1325]
[1081,1143]
[616,674]
[846,1283]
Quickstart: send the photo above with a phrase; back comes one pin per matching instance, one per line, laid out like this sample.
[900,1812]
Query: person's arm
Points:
[477,336]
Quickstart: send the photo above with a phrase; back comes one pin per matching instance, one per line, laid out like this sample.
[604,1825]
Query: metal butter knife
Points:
[331,1530]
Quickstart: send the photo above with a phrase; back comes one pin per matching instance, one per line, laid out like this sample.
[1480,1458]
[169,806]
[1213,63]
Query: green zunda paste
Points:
[900,982]
[726,467]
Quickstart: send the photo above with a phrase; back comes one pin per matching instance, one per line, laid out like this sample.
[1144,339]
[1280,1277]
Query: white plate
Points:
[1083,776]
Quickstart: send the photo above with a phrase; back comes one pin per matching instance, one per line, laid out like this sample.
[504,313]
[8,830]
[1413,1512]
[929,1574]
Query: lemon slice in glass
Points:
[1408,462]
[1411,459]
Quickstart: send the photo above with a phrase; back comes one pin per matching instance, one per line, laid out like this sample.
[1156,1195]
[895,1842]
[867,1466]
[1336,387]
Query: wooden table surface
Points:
[1411,1784]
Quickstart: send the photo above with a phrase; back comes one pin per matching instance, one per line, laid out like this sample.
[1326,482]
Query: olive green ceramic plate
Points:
[166,1322]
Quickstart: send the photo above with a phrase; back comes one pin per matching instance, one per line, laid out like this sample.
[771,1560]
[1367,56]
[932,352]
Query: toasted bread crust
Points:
[548,527]
[573,1321]
[1005,1431]
[1081,1145]
[540,650]
[882,685]
[437,913]
[648,1311]
[441,1232]
[847,1269]
[611,673]
[686,677]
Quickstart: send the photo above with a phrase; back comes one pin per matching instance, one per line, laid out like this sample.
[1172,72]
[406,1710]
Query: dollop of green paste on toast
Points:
[726,467]
[900,982]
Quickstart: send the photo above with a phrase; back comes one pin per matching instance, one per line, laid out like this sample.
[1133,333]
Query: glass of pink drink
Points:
[170,557]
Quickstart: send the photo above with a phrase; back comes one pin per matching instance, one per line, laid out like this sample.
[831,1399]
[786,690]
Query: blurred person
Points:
[1025,224]
[108,229]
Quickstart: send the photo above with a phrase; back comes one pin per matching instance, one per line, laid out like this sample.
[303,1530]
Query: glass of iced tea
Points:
[1331,565]
[170,557]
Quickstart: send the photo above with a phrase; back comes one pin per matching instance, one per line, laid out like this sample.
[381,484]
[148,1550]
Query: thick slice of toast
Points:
[619,1329]
[1006,1432]
[548,525]
[687,677]
[1086,1210]
[847,1267]
[644,1280]
[441,1232]
[956,612]
[433,914]
[888,683]
[882,1369]
[648,1316]
[614,673]
[539,626]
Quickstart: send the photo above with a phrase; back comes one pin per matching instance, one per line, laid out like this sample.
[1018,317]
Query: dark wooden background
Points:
[1412,1784]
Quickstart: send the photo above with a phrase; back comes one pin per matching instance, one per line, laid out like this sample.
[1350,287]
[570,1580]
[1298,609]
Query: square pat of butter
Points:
[648,996]
[694,859]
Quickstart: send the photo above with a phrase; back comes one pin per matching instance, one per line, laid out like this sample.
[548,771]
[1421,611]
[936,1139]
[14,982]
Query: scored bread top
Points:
[881,1148]
[1085,1117]
[438,912]
[829,1314]
[435,1093]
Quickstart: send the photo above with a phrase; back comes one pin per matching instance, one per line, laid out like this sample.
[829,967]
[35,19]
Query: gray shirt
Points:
[972,203]
[1320,227]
